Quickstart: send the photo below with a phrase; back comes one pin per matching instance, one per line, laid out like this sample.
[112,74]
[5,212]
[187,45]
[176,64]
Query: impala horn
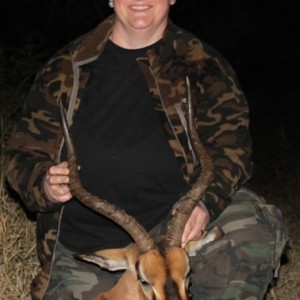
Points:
[188,202]
[138,233]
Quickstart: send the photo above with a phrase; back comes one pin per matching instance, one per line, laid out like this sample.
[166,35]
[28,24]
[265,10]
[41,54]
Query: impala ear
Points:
[194,246]
[110,259]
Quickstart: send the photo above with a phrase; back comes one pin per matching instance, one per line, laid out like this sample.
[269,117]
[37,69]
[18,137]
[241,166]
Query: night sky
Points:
[259,38]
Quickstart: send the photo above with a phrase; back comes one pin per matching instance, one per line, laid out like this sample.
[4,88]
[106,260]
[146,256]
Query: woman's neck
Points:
[135,39]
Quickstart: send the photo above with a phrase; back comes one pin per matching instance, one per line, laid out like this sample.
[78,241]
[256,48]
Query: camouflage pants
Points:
[238,266]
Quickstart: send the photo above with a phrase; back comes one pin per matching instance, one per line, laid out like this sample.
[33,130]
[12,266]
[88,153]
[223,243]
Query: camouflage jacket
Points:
[221,117]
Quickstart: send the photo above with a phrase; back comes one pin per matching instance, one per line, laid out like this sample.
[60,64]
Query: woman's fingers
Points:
[56,181]
[195,225]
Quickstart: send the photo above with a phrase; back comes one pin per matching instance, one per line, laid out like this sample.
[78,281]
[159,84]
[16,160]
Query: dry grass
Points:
[18,260]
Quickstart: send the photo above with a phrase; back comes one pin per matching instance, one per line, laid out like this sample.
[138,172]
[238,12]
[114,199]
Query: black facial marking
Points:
[137,270]
[171,290]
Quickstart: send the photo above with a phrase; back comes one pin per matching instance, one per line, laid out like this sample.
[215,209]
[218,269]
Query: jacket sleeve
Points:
[35,139]
[222,118]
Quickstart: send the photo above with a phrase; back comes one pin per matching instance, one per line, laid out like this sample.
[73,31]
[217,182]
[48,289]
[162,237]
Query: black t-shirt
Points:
[123,152]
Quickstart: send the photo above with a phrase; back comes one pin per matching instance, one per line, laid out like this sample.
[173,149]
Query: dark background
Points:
[260,38]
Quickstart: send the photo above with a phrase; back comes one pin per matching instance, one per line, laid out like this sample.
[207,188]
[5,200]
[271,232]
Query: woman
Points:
[123,86]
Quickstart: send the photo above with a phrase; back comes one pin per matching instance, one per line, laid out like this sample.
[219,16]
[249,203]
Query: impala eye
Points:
[145,284]
[143,281]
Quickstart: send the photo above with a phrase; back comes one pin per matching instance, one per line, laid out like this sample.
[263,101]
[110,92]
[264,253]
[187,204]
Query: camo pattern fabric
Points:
[73,279]
[241,264]
[220,114]
[238,266]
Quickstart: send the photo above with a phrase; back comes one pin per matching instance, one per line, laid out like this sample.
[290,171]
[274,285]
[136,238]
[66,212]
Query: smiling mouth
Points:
[140,7]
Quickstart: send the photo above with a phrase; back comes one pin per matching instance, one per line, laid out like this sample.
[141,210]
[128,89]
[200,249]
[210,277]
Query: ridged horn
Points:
[188,202]
[131,225]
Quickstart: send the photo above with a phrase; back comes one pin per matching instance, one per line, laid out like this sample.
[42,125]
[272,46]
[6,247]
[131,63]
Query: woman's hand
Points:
[55,183]
[195,225]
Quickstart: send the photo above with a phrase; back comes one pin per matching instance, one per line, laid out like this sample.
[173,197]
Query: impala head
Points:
[161,273]
[154,270]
